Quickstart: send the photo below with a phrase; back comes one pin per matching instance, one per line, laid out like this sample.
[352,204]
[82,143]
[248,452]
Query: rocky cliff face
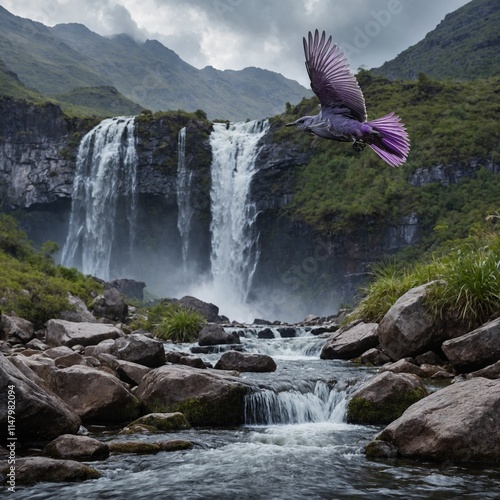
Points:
[298,266]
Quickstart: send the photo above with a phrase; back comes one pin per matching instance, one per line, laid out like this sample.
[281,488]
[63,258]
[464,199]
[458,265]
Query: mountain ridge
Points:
[465,45]
[57,60]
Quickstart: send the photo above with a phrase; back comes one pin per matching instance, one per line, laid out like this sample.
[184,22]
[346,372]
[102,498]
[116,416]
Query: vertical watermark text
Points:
[11,438]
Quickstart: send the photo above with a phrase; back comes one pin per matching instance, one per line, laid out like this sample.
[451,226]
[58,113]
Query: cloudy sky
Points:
[233,34]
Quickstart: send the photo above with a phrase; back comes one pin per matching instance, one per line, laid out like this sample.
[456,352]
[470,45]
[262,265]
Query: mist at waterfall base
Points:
[105,239]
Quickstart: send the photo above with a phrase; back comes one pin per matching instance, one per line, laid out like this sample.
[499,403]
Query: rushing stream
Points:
[295,445]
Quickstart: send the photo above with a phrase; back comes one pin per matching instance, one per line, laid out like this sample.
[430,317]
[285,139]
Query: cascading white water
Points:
[106,168]
[234,253]
[185,209]
[323,404]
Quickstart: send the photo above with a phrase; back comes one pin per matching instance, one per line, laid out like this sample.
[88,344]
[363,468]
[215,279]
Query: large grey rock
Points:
[67,333]
[408,328]
[384,398]
[215,334]
[95,395]
[460,423]
[70,447]
[110,305]
[40,415]
[182,358]
[130,288]
[166,422]
[138,348]
[131,373]
[209,311]
[33,470]
[205,397]
[351,341]
[476,349]
[79,312]
[15,330]
[491,371]
[245,362]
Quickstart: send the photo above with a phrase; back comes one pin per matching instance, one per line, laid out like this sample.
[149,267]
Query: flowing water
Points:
[295,445]
[184,206]
[105,170]
[235,253]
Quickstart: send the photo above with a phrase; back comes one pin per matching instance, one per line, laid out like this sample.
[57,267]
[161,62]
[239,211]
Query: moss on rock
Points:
[366,412]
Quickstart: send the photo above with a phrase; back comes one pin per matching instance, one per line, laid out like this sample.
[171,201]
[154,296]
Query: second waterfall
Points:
[234,253]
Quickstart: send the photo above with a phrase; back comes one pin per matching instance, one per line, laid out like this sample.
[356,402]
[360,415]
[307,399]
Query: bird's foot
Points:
[358,146]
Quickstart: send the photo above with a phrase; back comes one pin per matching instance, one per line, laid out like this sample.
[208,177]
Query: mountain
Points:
[58,60]
[464,46]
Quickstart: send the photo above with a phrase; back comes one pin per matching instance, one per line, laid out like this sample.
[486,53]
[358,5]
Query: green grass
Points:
[466,289]
[179,325]
[31,285]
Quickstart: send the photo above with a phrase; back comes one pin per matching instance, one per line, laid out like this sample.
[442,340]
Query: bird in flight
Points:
[343,112]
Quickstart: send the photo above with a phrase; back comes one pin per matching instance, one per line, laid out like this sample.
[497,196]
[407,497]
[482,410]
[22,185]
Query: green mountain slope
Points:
[156,77]
[58,60]
[39,58]
[465,45]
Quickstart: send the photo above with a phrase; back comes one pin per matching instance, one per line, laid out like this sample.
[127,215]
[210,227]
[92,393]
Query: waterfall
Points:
[185,210]
[105,169]
[234,242]
[323,404]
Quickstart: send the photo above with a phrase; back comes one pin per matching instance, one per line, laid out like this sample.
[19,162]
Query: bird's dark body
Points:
[343,114]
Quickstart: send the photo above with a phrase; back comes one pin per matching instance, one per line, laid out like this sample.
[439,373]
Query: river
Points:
[295,445]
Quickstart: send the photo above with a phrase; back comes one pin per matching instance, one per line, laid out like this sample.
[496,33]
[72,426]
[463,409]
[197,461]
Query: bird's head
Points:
[302,123]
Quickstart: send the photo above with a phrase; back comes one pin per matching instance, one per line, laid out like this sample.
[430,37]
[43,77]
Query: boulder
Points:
[72,447]
[37,344]
[39,369]
[79,312]
[103,347]
[15,330]
[374,357]
[165,422]
[175,445]
[57,352]
[491,371]
[132,289]
[138,348]
[205,397]
[245,362]
[351,341]
[476,349]
[403,366]
[70,360]
[182,358]
[135,447]
[209,311]
[215,334]
[95,395]
[384,398]
[408,328]
[40,415]
[459,423]
[36,469]
[265,333]
[67,333]
[130,373]
[110,305]
[287,332]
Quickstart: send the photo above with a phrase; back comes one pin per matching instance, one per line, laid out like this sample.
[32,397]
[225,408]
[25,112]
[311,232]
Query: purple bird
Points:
[343,113]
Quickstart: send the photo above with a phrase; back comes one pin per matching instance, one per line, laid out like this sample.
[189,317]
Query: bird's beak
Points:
[290,124]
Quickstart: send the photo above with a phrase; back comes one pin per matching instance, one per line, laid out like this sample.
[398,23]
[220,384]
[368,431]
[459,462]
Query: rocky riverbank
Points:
[92,369]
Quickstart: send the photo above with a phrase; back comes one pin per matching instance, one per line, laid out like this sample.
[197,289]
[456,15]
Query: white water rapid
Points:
[185,209]
[234,242]
[105,169]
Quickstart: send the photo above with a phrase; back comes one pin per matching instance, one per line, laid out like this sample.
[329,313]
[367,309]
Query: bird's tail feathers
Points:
[391,142]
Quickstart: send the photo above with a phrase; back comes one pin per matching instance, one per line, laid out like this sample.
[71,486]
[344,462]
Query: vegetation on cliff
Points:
[31,285]
[451,125]
[466,276]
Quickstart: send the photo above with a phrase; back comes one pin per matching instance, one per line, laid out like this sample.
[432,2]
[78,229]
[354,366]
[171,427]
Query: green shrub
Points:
[467,288]
[179,325]
[31,285]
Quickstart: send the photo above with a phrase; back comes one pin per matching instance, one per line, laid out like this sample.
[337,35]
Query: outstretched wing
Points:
[331,78]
